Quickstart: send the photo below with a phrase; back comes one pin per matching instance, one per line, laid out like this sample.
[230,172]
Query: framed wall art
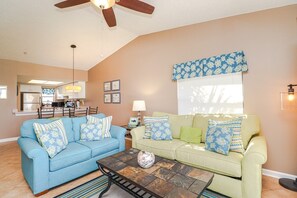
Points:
[115,85]
[116,98]
[107,86]
[107,98]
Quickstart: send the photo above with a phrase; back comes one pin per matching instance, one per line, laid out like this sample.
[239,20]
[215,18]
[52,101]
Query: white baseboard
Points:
[277,174]
[9,139]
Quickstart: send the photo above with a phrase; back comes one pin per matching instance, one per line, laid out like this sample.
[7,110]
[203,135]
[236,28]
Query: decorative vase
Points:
[145,159]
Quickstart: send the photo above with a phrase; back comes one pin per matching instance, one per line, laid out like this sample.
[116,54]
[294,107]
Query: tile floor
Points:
[12,183]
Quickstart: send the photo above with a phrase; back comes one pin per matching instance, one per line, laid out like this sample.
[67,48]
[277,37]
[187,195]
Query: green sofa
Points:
[236,175]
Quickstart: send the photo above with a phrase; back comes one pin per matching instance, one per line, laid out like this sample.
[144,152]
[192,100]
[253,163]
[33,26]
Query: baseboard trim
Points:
[9,139]
[277,174]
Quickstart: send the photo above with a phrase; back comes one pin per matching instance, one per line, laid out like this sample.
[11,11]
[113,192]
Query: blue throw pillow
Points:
[161,131]
[52,141]
[219,137]
[91,132]
[105,121]
[149,121]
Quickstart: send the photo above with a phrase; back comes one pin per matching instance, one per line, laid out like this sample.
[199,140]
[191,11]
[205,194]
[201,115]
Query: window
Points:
[211,94]
[3,92]
[48,96]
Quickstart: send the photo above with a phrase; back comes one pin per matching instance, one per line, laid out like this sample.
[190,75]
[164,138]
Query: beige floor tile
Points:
[13,184]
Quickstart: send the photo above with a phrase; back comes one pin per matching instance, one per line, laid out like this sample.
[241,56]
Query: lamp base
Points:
[288,183]
[139,118]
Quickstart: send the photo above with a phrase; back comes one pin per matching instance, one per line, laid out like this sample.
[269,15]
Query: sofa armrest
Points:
[256,151]
[137,134]
[254,156]
[35,164]
[31,148]
[119,133]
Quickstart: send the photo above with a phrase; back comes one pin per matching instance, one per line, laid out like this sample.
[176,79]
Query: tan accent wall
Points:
[269,40]
[9,70]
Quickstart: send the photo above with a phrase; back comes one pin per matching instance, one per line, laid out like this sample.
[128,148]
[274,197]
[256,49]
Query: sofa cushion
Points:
[197,156]
[176,122]
[149,121]
[161,131]
[27,129]
[190,134]
[76,122]
[105,121]
[73,154]
[41,129]
[91,132]
[218,137]
[52,141]
[101,146]
[162,148]
[249,127]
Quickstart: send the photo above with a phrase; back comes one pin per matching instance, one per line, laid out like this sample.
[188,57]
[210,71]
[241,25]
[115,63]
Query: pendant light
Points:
[73,88]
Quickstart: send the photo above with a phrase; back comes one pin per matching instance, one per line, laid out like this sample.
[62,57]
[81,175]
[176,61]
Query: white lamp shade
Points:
[138,105]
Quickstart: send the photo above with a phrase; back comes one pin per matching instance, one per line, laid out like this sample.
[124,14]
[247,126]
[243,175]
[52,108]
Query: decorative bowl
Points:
[145,159]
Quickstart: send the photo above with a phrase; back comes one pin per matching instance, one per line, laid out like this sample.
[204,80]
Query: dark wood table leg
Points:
[108,181]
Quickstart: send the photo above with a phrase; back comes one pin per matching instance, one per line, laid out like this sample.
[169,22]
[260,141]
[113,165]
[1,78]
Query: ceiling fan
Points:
[106,7]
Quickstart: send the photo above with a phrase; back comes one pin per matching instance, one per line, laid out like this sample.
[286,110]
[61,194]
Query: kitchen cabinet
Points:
[30,88]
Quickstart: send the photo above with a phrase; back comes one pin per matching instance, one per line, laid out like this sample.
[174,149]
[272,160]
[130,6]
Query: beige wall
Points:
[269,40]
[9,70]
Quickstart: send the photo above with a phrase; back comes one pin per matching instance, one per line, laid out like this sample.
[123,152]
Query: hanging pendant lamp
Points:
[73,88]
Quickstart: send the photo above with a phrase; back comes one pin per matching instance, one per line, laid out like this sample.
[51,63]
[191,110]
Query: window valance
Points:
[48,91]
[215,65]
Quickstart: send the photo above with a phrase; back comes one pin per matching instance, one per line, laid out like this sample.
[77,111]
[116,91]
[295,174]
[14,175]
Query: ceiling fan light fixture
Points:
[103,4]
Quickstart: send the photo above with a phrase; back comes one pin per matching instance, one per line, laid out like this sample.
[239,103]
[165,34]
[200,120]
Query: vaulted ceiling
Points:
[36,31]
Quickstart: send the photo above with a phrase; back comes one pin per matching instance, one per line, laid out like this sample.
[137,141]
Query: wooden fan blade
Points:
[137,6]
[69,3]
[109,17]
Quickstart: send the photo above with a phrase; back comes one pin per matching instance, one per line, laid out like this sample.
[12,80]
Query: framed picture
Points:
[107,98]
[115,85]
[133,122]
[116,98]
[107,86]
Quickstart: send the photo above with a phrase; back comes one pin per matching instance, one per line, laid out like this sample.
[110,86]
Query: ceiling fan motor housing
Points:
[103,4]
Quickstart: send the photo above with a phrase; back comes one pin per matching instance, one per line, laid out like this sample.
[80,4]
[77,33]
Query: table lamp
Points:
[139,105]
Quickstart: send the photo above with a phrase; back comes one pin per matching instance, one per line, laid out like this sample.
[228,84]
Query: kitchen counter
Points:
[58,111]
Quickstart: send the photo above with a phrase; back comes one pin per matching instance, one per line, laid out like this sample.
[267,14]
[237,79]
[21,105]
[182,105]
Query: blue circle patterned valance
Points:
[48,91]
[215,65]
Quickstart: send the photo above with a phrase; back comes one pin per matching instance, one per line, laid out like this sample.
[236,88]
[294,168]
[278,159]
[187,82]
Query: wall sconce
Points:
[291,92]
[288,101]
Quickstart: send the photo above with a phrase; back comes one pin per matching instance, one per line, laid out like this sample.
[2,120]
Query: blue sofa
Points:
[79,157]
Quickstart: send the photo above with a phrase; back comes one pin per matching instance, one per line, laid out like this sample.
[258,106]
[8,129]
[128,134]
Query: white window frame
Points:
[3,92]
[217,94]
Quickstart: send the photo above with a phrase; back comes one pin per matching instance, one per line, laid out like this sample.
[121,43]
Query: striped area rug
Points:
[95,186]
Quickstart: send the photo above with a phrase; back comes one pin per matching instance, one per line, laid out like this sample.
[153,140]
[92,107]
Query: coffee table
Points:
[166,178]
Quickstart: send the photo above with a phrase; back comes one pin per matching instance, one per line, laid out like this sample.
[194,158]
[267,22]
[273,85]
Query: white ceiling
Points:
[36,31]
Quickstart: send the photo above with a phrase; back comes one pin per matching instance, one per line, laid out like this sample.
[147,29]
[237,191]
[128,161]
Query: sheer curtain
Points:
[211,94]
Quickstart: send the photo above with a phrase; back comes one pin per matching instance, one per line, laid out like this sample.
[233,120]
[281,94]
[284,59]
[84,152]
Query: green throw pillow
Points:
[190,134]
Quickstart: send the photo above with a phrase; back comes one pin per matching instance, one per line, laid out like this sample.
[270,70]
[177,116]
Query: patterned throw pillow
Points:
[236,143]
[91,132]
[106,124]
[39,129]
[148,121]
[161,131]
[218,137]
[52,141]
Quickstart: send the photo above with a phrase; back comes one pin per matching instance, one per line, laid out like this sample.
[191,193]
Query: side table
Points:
[128,136]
